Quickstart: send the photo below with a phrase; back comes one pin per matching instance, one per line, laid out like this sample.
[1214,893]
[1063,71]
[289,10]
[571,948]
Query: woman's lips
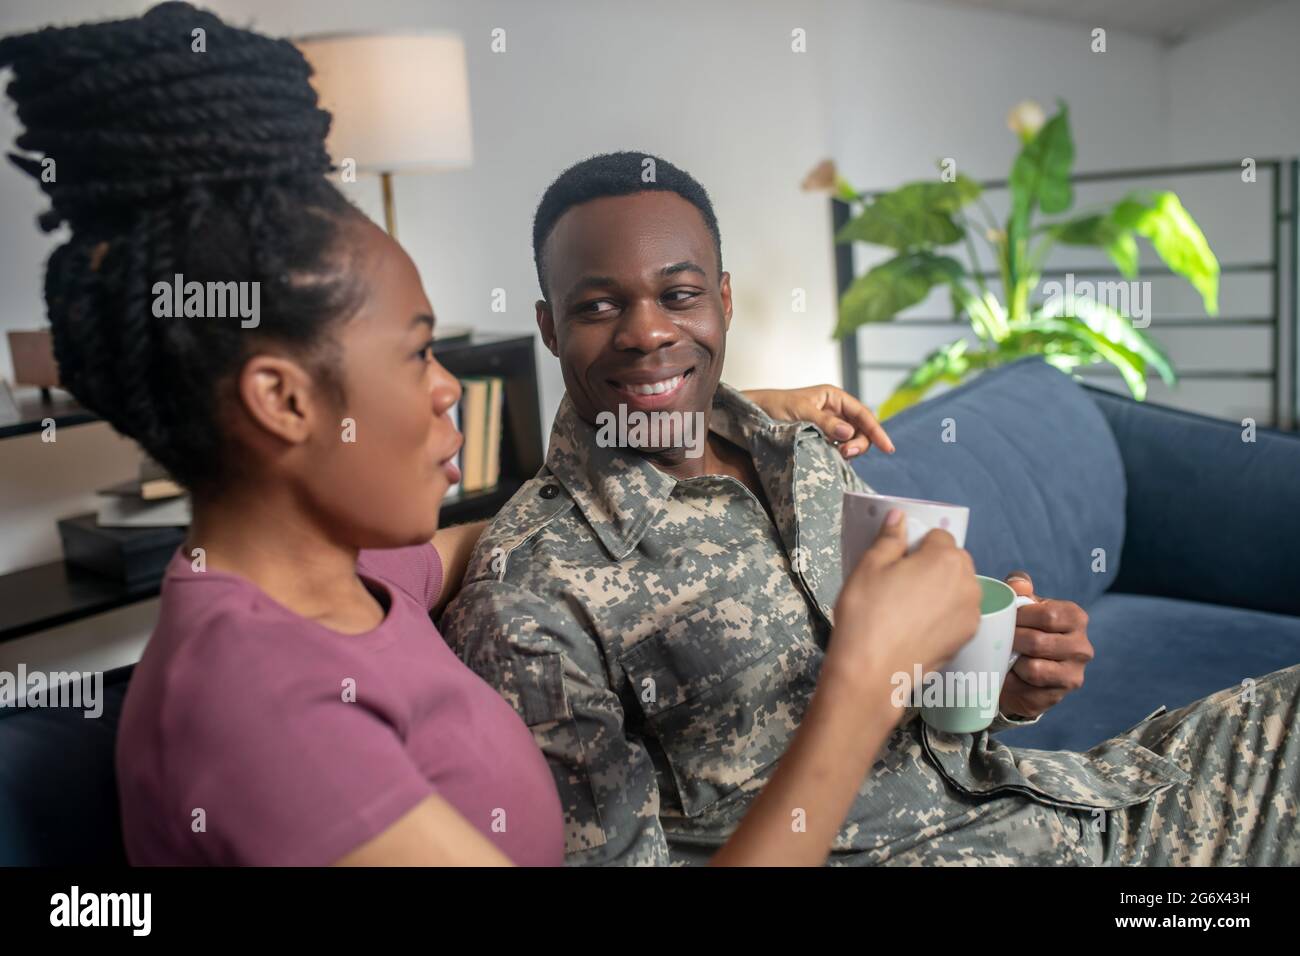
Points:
[449,466]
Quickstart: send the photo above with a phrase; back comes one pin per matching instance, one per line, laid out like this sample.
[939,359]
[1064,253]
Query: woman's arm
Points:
[841,417]
[895,611]
[454,546]
[432,833]
[794,820]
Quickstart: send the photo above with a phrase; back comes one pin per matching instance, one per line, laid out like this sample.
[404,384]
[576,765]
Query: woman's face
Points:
[378,474]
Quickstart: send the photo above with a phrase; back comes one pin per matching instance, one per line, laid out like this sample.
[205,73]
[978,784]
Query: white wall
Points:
[1235,92]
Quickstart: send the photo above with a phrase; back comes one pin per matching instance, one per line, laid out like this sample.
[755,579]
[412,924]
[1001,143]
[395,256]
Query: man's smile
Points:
[650,388]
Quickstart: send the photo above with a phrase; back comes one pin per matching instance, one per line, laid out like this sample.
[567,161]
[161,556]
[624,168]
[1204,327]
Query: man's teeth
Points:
[655,388]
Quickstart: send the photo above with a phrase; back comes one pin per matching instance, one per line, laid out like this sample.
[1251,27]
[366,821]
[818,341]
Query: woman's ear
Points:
[280,397]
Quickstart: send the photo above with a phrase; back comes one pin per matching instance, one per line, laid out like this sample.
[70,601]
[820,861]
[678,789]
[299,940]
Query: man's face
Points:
[638,310]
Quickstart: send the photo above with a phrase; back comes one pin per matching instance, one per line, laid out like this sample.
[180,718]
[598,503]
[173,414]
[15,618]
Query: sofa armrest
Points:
[1210,516]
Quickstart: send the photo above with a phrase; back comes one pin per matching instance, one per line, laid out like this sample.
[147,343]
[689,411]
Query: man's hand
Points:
[1052,639]
[841,417]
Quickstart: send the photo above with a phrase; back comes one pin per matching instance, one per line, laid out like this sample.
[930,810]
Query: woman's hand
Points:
[841,417]
[897,610]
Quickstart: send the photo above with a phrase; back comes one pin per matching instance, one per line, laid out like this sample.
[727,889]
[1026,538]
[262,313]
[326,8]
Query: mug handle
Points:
[1020,601]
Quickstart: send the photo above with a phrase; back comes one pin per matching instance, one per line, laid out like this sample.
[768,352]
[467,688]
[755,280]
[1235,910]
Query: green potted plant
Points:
[1071,326]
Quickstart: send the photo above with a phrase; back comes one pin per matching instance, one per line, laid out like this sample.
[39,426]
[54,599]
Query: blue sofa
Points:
[1178,538]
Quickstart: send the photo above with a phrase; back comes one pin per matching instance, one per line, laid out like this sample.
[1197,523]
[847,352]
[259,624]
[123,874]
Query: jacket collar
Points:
[621,494]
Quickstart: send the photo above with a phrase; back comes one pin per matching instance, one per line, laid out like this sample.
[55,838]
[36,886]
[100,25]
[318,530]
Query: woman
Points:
[295,704]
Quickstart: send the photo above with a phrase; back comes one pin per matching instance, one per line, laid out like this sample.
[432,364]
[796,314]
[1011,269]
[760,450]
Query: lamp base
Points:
[390,210]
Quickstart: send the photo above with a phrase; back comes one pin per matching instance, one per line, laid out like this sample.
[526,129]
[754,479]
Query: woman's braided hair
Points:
[173,161]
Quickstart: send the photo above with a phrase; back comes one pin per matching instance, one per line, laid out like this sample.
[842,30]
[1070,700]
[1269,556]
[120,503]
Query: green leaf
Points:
[892,286]
[1040,177]
[987,317]
[1176,238]
[947,363]
[1130,364]
[1099,230]
[1118,329]
[1041,173]
[917,214]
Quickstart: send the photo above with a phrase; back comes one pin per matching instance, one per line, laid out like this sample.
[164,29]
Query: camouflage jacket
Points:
[662,639]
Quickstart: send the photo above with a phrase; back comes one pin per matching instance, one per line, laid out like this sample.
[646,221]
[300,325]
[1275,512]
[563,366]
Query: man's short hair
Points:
[616,174]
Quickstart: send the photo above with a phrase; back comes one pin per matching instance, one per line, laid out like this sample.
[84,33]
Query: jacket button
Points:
[549,491]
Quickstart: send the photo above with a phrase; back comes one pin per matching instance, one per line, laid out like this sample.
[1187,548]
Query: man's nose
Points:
[644,327]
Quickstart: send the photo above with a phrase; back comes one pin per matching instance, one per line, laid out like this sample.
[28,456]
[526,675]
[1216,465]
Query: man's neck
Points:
[720,457]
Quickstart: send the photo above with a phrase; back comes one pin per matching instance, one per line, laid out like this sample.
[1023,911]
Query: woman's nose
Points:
[446,389]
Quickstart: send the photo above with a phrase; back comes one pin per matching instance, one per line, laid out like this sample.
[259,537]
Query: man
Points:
[658,614]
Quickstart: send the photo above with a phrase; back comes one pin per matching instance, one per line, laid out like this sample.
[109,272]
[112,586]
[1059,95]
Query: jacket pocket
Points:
[718,697]
[1116,773]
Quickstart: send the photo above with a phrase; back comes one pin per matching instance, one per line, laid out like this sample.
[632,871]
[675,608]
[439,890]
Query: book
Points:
[135,556]
[153,489]
[460,455]
[129,511]
[481,417]
[474,420]
[492,434]
[153,500]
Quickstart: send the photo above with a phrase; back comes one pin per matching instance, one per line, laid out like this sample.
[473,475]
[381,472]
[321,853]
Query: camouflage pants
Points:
[1241,805]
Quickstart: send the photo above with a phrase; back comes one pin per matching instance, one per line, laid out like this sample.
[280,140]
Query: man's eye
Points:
[679,296]
[598,307]
[426,351]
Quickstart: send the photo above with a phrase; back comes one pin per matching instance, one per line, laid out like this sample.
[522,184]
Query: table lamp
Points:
[400,102]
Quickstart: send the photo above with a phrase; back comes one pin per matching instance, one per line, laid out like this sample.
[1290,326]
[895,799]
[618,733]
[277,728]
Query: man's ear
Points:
[724,287]
[546,325]
[279,396]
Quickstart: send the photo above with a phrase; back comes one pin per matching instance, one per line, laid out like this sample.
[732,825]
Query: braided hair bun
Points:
[183,152]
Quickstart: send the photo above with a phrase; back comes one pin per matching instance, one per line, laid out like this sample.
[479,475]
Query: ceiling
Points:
[1167,20]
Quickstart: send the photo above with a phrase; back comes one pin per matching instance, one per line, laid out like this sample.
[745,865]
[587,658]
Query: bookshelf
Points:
[48,595]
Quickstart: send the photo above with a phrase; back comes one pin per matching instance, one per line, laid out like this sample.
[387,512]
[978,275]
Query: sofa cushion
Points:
[1028,451]
[58,789]
[1153,651]
[1210,517]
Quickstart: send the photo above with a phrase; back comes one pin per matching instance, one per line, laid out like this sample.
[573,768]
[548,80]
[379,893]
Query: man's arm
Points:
[538,656]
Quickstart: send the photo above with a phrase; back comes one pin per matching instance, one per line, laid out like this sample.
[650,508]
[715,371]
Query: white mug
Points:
[963,698]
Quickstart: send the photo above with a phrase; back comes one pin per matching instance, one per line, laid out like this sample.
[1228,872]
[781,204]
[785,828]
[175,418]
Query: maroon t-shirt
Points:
[251,735]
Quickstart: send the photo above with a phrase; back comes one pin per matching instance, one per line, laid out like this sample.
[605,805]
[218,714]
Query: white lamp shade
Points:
[400,102]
